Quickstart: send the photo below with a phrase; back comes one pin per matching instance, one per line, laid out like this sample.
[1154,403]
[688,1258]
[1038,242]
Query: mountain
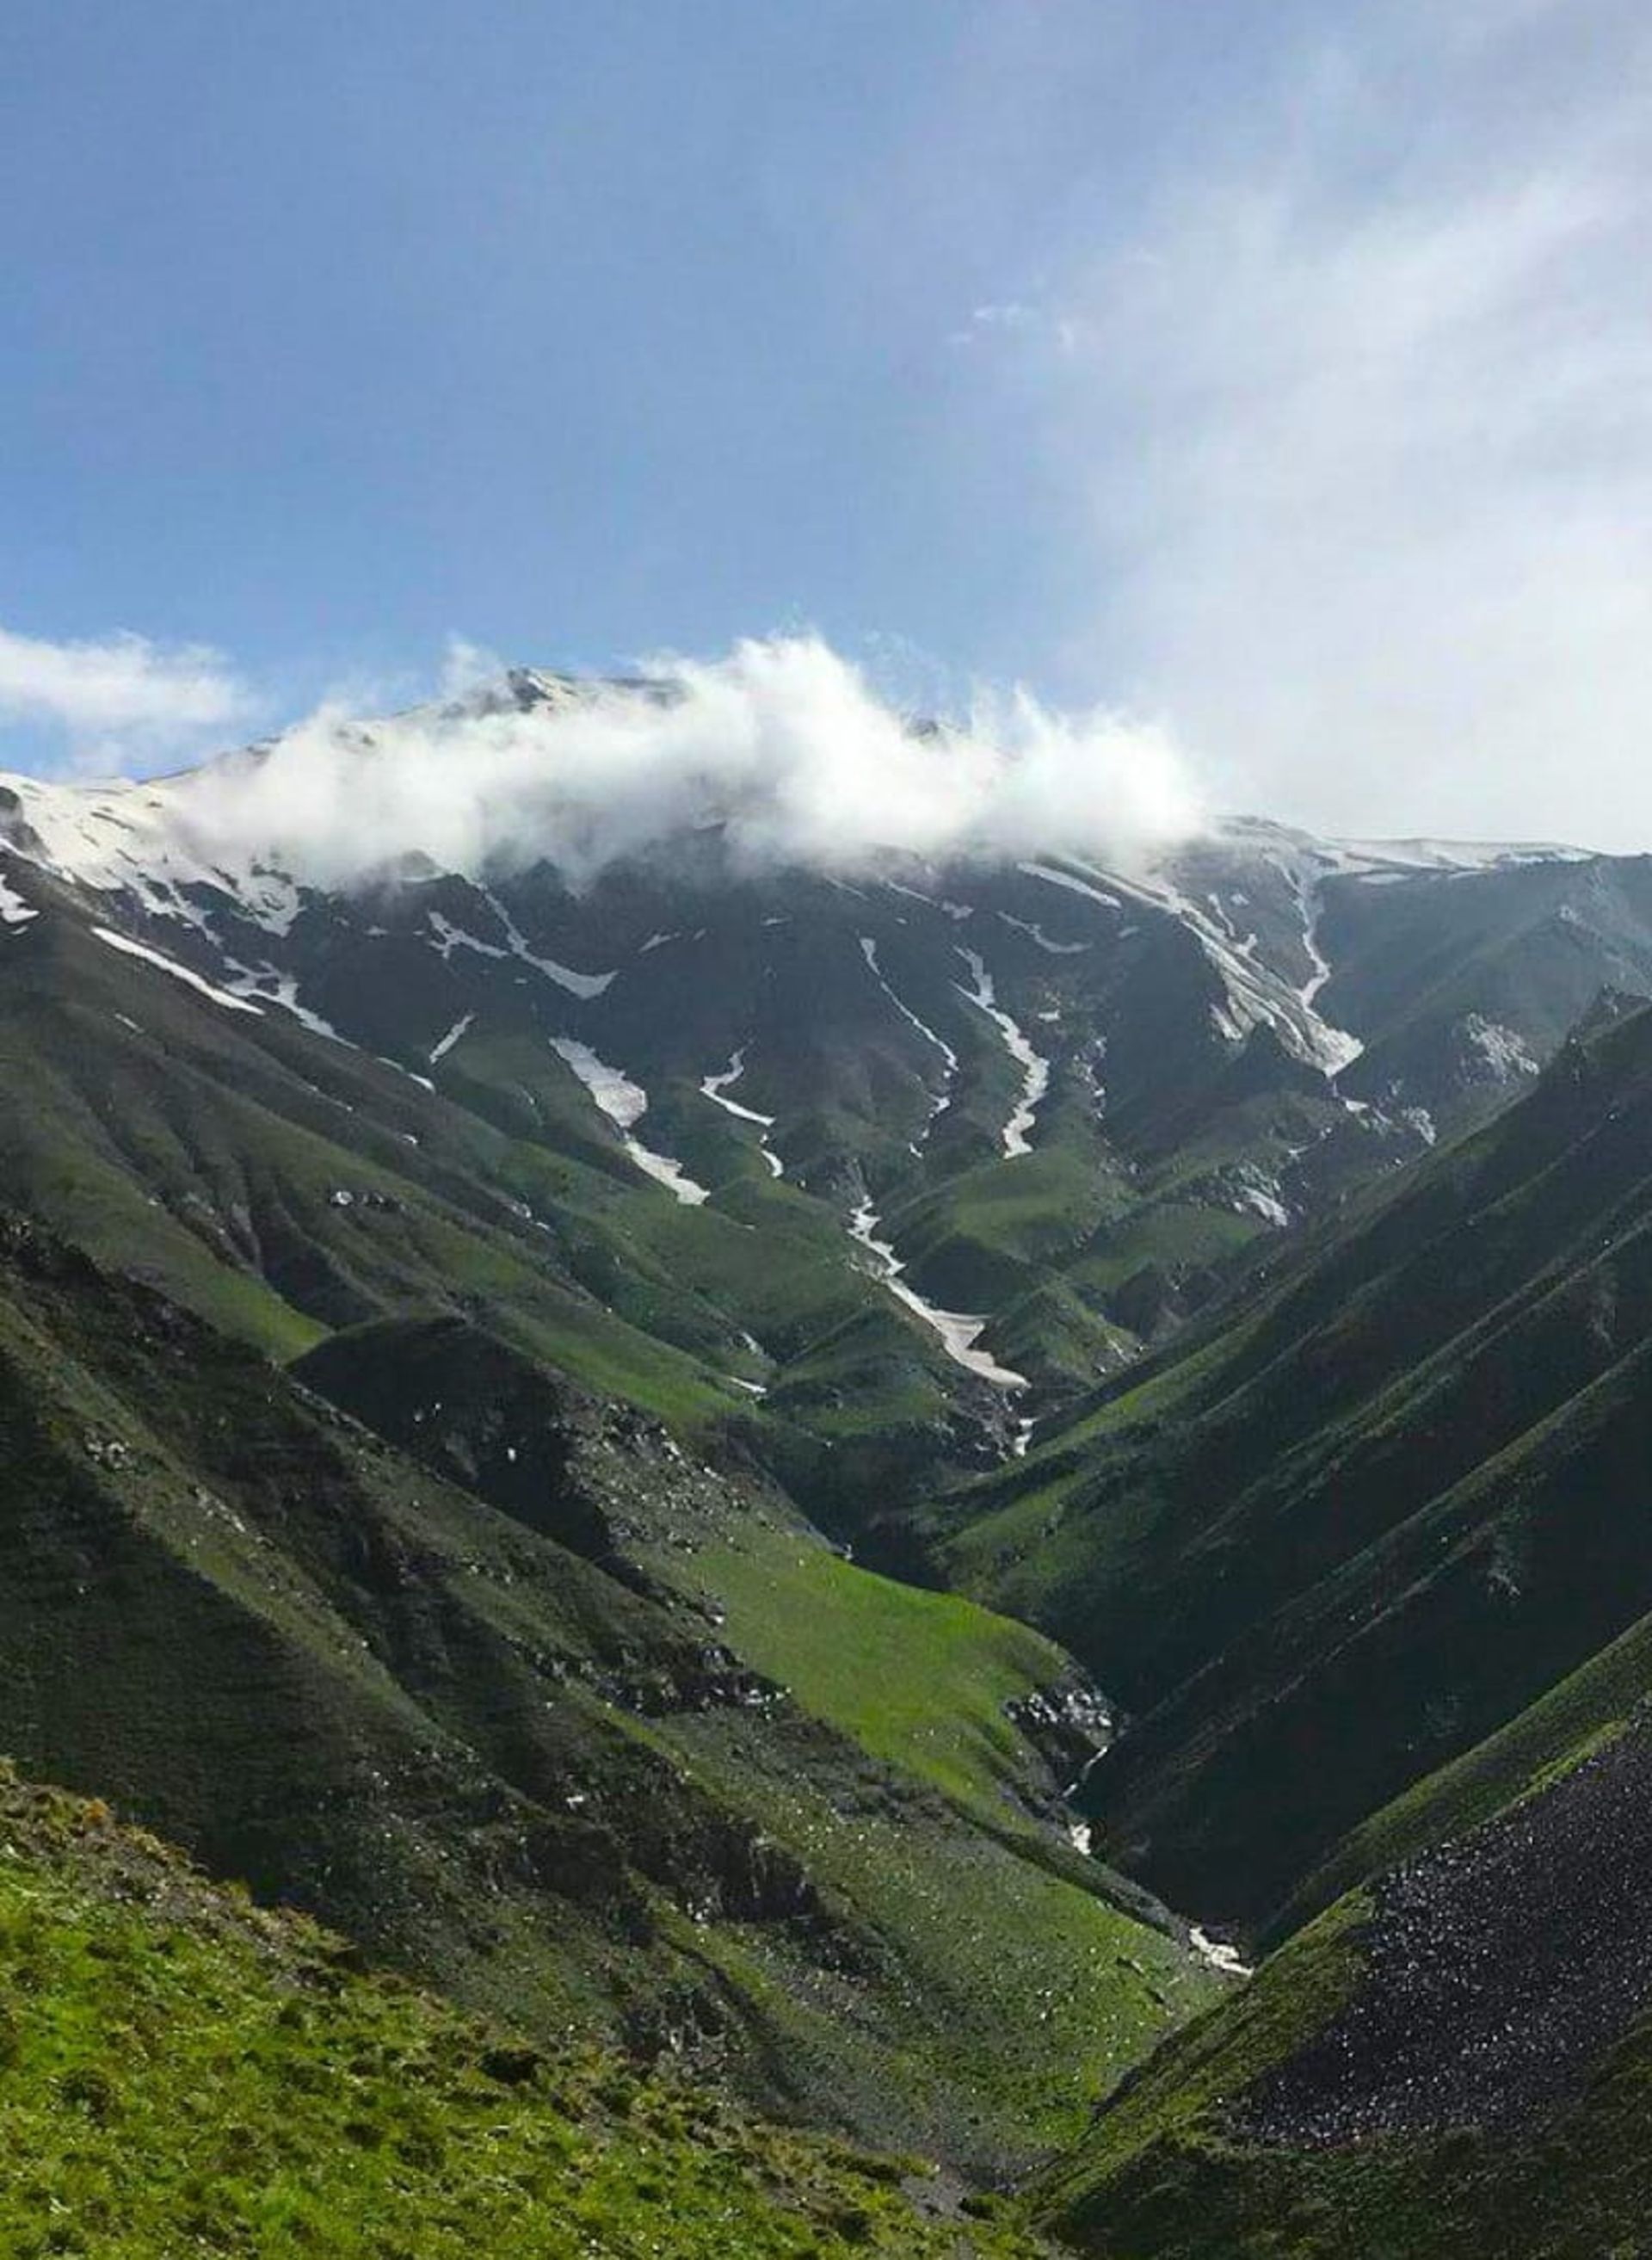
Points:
[185,2071]
[1362,1520]
[1371,1552]
[1009,1122]
[478,1731]
[475,1337]
[1455,2058]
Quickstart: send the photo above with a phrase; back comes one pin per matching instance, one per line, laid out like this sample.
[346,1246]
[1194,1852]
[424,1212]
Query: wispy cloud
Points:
[1362,426]
[119,697]
[1011,319]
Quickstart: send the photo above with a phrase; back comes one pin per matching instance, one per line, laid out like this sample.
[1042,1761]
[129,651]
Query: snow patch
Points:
[214,995]
[1504,1049]
[440,1051]
[1261,1195]
[14,912]
[266,986]
[1055,878]
[450,937]
[625,1103]
[1341,1048]
[1219,1955]
[1404,857]
[134,838]
[715,1087]
[1255,995]
[869,951]
[958,1332]
[1034,931]
[1034,1070]
[566,977]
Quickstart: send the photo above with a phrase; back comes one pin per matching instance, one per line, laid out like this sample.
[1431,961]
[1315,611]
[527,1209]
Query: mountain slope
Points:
[622,1238]
[1454,2058]
[182,2071]
[1340,1539]
[1010,1121]
[546,1782]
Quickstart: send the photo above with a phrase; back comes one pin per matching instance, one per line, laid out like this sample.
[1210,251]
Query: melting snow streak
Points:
[957,1333]
[131,949]
[13,910]
[440,1051]
[714,1087]
[624,1103]
[1034,1070]
[869,951]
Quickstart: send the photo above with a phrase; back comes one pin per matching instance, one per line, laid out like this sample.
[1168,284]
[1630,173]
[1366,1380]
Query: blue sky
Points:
[1278,371]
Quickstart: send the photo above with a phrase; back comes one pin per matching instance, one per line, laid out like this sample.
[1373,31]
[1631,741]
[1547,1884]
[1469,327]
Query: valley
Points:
[994,1508]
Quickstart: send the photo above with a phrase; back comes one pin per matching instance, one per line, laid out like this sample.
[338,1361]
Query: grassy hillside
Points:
[364,1111]
[490,1741]
[1323,1548]
[1011,1979]
[183,2072]
[1457,2057]
[1586,1713]
[285,1185]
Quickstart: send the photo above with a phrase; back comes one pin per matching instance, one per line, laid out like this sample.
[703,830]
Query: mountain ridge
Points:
[471,1340]
[1065,1131]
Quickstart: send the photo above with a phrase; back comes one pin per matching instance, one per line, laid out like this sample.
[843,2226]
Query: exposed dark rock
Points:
[1498,1970]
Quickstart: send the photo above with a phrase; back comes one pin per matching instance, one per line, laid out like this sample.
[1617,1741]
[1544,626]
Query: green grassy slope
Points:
[1457,2057]
[1323,1551]
[541,1778]
[206,1147]
[285,1185]
[1585,1712]
[180,2071]
[896,1772]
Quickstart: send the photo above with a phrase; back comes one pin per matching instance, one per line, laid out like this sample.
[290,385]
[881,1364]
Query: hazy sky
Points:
[1279,374]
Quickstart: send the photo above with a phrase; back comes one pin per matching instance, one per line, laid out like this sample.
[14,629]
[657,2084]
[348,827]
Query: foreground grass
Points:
[181,2072]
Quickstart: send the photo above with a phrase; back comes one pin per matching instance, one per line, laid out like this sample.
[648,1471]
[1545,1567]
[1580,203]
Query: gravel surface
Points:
[1498,1969]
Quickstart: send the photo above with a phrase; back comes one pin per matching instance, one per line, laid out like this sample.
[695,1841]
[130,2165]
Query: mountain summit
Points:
[477,1322]
[1022,1113]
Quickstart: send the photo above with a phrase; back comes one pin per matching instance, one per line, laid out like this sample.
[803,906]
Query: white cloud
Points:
[467,667]
[782,743]
[1014,318]
[105,697]
[1364,428]
[1008,314]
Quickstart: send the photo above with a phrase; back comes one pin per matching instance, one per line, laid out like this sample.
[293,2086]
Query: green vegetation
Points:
[550,1784]
[995,1980]
[495,1629]
[1025,1990]
[1160,2171]
[182,2071]
[919,1679]
[1590,1707]
[1215,2148]
[1329,1546]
